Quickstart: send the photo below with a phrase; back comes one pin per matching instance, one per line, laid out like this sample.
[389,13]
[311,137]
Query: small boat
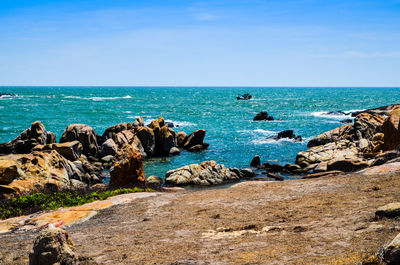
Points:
[244,97]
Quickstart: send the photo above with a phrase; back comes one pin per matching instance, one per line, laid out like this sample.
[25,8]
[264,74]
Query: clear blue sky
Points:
[216,43]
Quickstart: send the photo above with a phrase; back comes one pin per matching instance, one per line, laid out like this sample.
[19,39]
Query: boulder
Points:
[287,134]
[108,148]
[383,111]
[256,161]
[138,122]
[85,135]
[157,124]
[111,131]
[41,171]
[165,140]
[174,151]
[263,116]
[321,167]
[272,167]
[198,147]
[389,210]
[53,246]
[391,130]
[155,180]
[123,138]
[367,125]
[70,150]
[181,139]
[128,170]
[205,174]
[342,133]
[385,157]
[147,138]
[248,173]
[195,138]
[347,165]
[390,253]
[323,174]
[24,143]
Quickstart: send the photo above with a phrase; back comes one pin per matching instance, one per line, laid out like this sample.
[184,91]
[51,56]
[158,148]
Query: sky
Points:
[200,43]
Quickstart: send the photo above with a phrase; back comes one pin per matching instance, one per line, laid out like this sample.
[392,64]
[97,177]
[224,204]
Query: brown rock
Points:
[128,170]
[53,246]
[111,131]
[322,174]
[147,138]
[391,130]
[138,122]
[157,124]
[195,138]
[23,144]
[347,165]
[391,252]
[70,150]
[181,139]
[165,140]
[85,135]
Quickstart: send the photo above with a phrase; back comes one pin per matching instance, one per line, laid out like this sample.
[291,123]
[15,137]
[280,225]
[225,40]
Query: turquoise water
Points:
[233,136]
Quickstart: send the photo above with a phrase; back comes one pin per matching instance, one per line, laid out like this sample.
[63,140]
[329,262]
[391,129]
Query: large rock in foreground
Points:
[53,246]
[128,170]
[85,135]
[28,139]
[391,130]
[205,174]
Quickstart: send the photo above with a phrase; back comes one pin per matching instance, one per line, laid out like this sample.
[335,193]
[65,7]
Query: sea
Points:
[233,136]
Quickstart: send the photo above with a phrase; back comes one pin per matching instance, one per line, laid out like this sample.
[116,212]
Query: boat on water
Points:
[246,96]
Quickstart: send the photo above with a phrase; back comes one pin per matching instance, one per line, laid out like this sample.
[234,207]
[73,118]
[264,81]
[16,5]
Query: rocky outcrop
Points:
[70,150]
[263,116]
[128,170]
[85,135]
[391,130]
[181,139]
[147,138]
[111,131]
[256,161]
[24,143]
[138,122]
[43,171]
[108,148]
[204,174]
[390,253]
[166,140]
[53,246]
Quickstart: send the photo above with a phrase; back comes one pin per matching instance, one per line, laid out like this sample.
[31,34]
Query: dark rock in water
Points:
[292,168]
[286,134]
[195,138]
[8,95]
[273,167]
[346,121]
[244,97]
[85,135]
[237,172]
[263,116]
[198,147]
[169,124]
[248,173]
[337,113]
[53,246]
[275,176]
[24,143]
[256,161]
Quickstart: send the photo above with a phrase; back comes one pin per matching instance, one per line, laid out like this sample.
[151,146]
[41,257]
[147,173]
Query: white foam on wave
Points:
[326,115]
[98,98]
[273,141]
[182,123]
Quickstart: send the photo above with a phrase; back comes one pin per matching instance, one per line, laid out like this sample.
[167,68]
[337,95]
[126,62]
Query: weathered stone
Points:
[154,180]
[108,148]
[391,252]
[391,130]
[9,171]
[128,170]
[165,140]
[53,246]
[138,122]
[207,173]
[147,138]
[24,143]
[85,135]
[256,161]
[321,167]
[181,139]
[322,174]
[70,150]
[111,131]
[347,165]
[198,147]
[195,138]
[389,210]
[248,173]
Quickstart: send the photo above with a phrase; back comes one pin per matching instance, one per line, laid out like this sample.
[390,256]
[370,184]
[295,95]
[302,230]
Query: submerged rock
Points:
[53,246]
[205,174]
[28,139]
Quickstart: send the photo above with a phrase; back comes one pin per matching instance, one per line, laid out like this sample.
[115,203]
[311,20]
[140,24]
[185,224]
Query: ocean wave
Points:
[182,123]
[98,98]
[258,132]
[336,116]
[273,141]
